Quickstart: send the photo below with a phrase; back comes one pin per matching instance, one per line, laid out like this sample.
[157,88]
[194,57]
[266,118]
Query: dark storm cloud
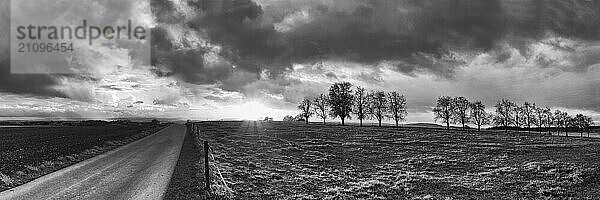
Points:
[368,32]
[165,12]
[184,60]
[186,64]
[574,18]
[372,31]
[249,44]
[38,84]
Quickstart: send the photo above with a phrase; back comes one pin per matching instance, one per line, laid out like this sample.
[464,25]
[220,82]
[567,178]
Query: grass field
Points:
[30,152]
[279,160]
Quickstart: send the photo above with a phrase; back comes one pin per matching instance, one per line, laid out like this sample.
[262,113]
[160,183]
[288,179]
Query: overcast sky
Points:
[249,59]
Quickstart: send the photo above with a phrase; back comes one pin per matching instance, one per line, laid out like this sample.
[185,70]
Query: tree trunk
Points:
[379,122]
[342,121]
[360,122]
[478,128]
[396,123]
[323,121]
[447,125]
[558,131]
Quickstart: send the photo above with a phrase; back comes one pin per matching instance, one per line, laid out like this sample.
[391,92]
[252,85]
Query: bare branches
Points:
[528,110]
[397,106]
[460,111]
[443,110]
[361,103]
[479,116]
[377,105]
[341,100]
[305,108]
[320,104]
[504,114]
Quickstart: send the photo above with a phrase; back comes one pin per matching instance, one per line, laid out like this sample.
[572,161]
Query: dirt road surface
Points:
[139,170]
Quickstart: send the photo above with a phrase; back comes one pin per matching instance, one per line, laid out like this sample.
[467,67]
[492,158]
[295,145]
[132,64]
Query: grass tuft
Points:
[6,180]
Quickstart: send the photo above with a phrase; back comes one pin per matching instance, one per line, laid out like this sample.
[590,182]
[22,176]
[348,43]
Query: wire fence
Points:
[211,167]
[220,175]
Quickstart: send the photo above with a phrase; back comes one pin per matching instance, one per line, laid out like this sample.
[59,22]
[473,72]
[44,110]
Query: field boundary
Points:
[211,153]
[221,190]
[96,155]
[279,160]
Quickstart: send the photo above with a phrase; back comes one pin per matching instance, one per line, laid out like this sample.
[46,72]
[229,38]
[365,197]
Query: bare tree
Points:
[588,124]
[517,111]
[397,106]
[377,105]
[528,110]
[540,116]
[288,118]
[503,113]
[305,108]
[549,119]
[479,116]
[341,100]
[460,111]
[320,104]
[361,103]
[443,110]
[580,120]
[570,122]
[561,120]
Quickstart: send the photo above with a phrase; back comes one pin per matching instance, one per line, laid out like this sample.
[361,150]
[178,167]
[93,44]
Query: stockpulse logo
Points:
[50,38]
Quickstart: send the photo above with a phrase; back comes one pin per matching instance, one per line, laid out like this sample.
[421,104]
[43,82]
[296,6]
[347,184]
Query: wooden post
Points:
[188,127]
[206,168]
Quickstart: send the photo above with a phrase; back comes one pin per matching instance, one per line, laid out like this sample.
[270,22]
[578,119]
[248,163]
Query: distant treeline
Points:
[73,123]
[508,115]
[343,102]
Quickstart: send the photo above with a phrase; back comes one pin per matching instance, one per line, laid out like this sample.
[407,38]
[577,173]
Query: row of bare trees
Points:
[529,115]
[343,102]
[507,113]
[460,110]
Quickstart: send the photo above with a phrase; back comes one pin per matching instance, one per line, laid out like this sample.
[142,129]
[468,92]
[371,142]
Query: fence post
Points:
[188,127]
[206,168]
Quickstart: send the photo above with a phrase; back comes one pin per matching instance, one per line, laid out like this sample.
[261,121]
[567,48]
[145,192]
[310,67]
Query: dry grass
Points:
[6,179]
[279,160]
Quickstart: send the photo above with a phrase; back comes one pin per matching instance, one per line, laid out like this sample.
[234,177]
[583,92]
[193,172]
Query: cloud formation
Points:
[209,54]
[420,35]
[20,84]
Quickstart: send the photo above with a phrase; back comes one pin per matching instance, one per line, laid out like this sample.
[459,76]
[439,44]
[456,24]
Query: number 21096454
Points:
[45,47]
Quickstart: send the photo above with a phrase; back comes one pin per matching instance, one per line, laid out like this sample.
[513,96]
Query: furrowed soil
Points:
[282,160]
[27,153]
